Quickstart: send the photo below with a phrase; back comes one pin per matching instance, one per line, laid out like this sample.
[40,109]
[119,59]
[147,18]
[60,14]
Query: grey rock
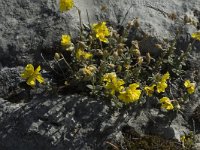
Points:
[72,122]
[9,81]
[76,122]
[28,27]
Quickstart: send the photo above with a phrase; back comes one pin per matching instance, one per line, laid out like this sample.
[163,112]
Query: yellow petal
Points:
[196,36]
[40,78]
[134,85]
[65,40]
[29,70]
[31,81]
[187,83]
[165,77]
[37,70]
[66,5]
[164,99]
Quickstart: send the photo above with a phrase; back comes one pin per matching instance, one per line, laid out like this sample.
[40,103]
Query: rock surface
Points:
[75,122]
[29,27]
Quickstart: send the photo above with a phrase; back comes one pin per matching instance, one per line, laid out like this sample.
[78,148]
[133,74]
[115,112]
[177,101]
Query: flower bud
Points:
[115,54]
[127,66]
[130,24]
[120,45]
[57,56]
[105,53]
[148,58]
[112,65]
[88,70]
[90,38]
[120,51]
[71,48]
[82,44]
[136,52]
[119,68]
[178,106]
[136,23]
[140,60]
[159,46]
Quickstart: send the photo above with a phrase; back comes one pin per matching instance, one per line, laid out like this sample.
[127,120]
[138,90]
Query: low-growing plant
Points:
[102,61]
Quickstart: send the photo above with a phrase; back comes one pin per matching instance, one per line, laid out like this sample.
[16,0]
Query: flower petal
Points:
[39,78]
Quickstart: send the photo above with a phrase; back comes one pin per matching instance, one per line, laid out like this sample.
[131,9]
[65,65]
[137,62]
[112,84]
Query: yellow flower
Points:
[162,84]
[183,138]
[131,94]
[66,5]
[108,77]
[165,77]
[81,54]
[113,84]
[196,36]
[189,86]
[149,89]
[101,31]
[65,40]
[166,103]
[31,75]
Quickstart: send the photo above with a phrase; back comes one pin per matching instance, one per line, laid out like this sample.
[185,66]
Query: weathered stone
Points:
[9,80]
[29,27]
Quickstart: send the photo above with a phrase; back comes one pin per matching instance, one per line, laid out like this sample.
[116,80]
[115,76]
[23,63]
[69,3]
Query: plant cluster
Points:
[101,60]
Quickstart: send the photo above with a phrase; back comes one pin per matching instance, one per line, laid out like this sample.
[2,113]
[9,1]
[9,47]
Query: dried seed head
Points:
[104,7]
[172,16]
[159,46]
[99,52]
[135,44]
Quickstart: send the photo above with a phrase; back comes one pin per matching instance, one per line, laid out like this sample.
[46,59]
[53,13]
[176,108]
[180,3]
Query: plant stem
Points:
[80,20]
[70,68]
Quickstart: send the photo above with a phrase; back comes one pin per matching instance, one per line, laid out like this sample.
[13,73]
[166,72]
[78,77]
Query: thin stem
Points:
[88,19]
[60,68]
[67,63]
[114,146]
[80,20]
[126,14]
[48,63]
